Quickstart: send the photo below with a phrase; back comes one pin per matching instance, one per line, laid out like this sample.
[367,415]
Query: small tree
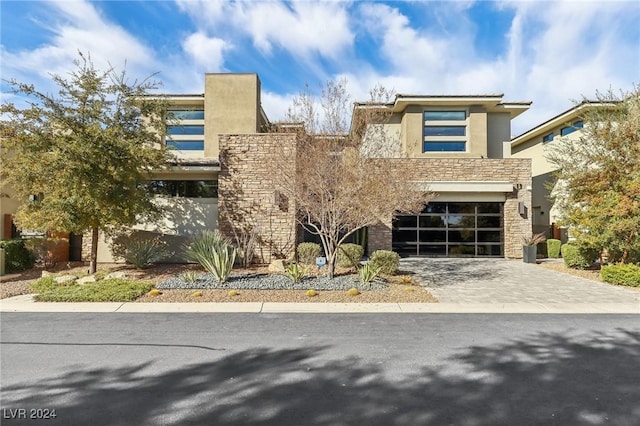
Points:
[81,156]
[340,182]
[598,188]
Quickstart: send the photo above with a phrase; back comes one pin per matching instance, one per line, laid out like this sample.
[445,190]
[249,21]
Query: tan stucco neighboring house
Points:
[535,144]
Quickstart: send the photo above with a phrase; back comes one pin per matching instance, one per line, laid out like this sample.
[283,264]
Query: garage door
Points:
[451,229]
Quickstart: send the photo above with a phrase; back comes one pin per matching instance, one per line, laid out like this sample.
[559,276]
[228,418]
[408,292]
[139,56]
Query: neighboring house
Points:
[450,145]
[534,144]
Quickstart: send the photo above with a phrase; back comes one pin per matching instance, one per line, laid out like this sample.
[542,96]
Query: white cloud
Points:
[206,52]
[78,26]
[300,28]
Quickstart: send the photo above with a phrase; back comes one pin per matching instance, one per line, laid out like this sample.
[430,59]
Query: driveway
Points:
[469,280]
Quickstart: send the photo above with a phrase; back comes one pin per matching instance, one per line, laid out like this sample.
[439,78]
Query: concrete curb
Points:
[25,303]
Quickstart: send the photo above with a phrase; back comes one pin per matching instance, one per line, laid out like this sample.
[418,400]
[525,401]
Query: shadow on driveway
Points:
[544,379]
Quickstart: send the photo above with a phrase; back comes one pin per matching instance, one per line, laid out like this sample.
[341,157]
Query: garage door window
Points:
[451,229]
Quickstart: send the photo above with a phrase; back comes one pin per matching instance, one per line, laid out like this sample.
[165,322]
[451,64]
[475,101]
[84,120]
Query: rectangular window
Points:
[184,188]
[186,114]
[445,115]
[440,146]
[187,145]
[187,129]
[547,138]
[570,129]
[445,131]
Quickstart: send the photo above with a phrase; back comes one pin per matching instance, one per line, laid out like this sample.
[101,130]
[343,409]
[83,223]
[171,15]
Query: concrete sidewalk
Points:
[25,303]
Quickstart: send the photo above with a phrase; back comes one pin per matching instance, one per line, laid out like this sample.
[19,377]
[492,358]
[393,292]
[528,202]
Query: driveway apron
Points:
[473,280]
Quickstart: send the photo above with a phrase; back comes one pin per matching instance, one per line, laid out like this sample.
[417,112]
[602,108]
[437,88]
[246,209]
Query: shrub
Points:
[387,261]
[368,272]
[307,253]
[214,253]
[144,253]
[17,256]
[112,290]
[627,274]
[574,257]
[295,272]
[349,255]
[553,248]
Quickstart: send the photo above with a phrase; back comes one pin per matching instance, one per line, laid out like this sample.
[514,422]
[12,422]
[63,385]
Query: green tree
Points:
[80,156]
[598,187]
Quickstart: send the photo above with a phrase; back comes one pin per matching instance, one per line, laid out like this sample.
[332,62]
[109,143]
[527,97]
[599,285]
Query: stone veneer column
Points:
[248,196]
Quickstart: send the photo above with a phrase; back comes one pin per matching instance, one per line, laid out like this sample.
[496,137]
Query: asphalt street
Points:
[319,369]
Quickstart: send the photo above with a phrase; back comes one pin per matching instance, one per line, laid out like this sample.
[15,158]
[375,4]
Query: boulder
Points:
[65,279]
[87,280]
[278,266]
[46,274]
[116,274]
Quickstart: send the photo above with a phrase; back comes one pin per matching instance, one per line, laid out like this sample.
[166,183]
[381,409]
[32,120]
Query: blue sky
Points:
[548,52]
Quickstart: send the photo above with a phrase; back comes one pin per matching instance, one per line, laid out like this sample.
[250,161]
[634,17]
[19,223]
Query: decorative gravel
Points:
[272,282]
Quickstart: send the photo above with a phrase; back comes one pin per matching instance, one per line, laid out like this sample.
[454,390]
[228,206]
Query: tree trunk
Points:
[94,251]
[331,265]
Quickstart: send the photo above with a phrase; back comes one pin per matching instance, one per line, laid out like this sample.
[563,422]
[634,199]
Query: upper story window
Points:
[570,129]
[548,138]
[186,114]
[186,129]
[444,131]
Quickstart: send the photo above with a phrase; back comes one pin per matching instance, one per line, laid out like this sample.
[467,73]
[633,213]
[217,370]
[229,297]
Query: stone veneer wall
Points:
[247,194]
[514,170]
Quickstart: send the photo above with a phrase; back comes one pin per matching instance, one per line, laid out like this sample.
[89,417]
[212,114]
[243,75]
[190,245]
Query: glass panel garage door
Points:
[451,229]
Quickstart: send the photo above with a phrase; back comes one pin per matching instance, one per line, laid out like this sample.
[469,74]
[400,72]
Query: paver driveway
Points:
[469,280]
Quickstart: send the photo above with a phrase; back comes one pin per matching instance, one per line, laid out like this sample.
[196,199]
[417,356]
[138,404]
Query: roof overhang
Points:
[461,186]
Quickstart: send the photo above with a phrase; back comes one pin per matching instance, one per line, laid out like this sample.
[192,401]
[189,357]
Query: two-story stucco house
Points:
[451,145]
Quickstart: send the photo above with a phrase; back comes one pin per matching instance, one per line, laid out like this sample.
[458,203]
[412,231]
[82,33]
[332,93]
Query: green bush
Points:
[387,261]
[145,252]
[112,290]
[628,274]
[214,253]
[349,255]
[574,257]
[553,248]
[17,256]
[307,253]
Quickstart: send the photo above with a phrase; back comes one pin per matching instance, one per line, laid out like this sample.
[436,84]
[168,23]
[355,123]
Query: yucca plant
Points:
[214,253]
[367,273]
[143,253]
[295,272]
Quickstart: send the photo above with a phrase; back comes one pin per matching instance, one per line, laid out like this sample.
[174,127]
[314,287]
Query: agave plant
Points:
[367,273]
[214,253]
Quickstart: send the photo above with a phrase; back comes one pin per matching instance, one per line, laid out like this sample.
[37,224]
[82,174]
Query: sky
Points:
[552,53]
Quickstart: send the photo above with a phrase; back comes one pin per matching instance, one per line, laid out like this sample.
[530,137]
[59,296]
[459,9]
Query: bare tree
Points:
[342,179]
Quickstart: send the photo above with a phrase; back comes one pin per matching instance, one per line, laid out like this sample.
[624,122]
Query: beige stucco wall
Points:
[232,106]
[498,132]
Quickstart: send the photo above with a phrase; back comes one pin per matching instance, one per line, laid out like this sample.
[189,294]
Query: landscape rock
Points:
[46,274]
[278,265]
[117,274]
[65,279]
[87,280]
